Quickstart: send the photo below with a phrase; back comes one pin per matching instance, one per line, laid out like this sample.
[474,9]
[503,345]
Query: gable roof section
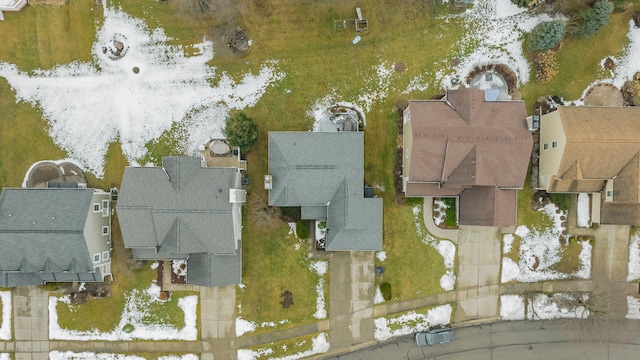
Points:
[42,236]
[602,143]
[181,209]
[483,142]
[326,169]
[462,142]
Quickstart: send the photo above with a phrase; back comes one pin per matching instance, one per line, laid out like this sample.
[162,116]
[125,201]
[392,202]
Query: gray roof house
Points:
[323,173]
[54,235]
[184,210]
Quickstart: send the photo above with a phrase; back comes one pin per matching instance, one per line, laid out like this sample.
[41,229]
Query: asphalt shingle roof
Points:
[325,169]
[41,236]
[182,209]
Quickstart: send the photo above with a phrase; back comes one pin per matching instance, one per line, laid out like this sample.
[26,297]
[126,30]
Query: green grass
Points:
[514,254]
[104,314]
[530,218]
[451,213]
[270,267]
[570,262]
[579,61]
[563,201]
[412,268]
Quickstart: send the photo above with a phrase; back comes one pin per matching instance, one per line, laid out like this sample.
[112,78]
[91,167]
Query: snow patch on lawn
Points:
[583,210]
[5,356]
[70,355]
[381,255]
[629,62]
[378,298]
[540,250]
[446,248]
[243,326]
[633,308]
[5,327]
[92,104]
[633,266]
[508,243]
[320,268]
[293,229]
[541,307]
[439,211]
[136,304]
[511,307]
[495,31]
[411,322]
[319,345]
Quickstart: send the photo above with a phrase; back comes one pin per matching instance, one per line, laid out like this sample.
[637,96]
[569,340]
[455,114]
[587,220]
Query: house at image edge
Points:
[467,147]
[54,235]
[594,150]
[323,174]
[184,210]
[11,5]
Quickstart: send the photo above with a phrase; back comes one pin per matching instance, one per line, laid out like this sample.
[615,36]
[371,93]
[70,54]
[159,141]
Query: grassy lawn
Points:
[526,216]
[579,61]
[514,254]
[272,266]
[570,262]
[104,314]
[412,268]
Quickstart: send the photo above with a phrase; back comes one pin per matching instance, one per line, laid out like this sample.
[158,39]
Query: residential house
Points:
[323,174]
[184,210]
[467,147]
[594,150]
[11,5]
[57,234]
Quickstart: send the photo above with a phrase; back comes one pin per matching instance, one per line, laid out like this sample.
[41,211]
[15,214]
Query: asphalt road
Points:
[556,339]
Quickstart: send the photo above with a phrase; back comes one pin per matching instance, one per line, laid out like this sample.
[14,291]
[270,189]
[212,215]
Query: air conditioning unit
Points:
[268,182]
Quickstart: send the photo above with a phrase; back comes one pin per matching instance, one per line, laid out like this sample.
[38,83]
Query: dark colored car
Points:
[435,336]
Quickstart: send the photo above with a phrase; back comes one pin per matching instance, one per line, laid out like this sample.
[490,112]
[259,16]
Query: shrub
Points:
[451,213]
[546,66]
[591,20]
[546,35]
[522,3]
[385,289]
[241,131]
[302,229]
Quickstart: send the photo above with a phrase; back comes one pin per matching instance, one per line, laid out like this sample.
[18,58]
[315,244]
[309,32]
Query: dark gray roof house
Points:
[54,235]
[323,174]
[183,210]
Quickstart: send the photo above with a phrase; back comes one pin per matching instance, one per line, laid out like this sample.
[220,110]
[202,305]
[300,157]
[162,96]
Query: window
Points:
[96,207]
[105,204]
[105,230]
[545,146]
[609,193]
[554,144]
[96,257]
[105,255]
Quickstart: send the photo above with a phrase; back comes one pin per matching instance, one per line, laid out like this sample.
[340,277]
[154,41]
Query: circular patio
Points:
[603,94]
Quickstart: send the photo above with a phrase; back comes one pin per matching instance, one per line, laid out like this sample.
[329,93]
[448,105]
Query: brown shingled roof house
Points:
[463,146]
[594,150]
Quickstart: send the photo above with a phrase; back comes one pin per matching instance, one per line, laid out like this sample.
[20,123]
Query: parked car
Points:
[437,336]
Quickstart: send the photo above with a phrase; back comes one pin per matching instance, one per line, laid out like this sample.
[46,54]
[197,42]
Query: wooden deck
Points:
[229,160]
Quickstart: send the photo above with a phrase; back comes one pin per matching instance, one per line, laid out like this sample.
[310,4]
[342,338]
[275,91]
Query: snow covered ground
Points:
[136,308]
[541,307]
[633,266]
[90,105]
[69,355]
[633,308]
[320,268]
[5,326]
[446,248]
[583,210]
[439,211]
[495,31]
[540,249]
[319,345]
[410,322]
